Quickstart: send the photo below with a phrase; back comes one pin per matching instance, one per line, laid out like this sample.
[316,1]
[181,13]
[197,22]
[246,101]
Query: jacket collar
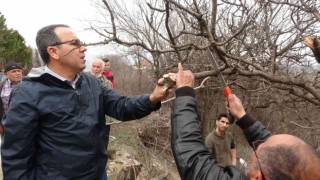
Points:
[45,76]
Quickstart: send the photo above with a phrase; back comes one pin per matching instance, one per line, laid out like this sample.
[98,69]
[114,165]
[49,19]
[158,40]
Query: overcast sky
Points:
[28,16]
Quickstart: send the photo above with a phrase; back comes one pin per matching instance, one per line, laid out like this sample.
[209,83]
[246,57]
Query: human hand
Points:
[184,78]
[235,107]
[164,88]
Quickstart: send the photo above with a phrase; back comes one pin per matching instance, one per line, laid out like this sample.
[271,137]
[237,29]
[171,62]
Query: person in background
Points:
[55,124]
[13,72]
[97,67]
[221,142]
[107,73]
[274,157]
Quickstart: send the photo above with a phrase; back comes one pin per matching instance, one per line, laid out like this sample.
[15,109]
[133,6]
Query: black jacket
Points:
[193,159]
[53,131]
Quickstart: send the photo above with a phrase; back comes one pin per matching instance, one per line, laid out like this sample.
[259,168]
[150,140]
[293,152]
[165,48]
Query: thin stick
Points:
[168,100]
[201,86]
[305,127]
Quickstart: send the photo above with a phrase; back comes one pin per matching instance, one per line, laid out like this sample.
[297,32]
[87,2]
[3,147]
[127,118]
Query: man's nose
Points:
[83,48]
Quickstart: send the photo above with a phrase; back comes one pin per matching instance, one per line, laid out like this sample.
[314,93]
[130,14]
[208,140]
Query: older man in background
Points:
[97,67]
[13,73]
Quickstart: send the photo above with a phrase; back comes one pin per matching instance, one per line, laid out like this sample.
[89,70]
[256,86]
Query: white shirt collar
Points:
[72,83]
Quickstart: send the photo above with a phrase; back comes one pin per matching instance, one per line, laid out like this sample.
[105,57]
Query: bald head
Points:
[282,139]
[97,67]
[285,156]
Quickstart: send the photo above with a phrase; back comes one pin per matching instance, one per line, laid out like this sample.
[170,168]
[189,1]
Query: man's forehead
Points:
[97,61]
[65,33]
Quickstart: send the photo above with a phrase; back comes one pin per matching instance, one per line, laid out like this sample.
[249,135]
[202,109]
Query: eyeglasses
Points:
[74,42]
[257,143]
[255,146]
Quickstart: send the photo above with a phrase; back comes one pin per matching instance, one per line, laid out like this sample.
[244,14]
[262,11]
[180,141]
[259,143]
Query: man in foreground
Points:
[55,125]
[221,143]
[274,157]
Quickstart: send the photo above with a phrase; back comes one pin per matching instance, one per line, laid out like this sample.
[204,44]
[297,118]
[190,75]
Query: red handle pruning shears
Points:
[226,89]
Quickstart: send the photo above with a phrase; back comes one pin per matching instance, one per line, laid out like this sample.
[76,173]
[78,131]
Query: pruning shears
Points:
[226,88]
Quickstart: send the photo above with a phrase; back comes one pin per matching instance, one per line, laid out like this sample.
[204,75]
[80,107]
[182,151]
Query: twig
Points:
[117,122]
[301,125]
[198,87]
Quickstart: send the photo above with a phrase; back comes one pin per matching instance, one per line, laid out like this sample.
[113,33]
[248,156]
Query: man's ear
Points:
[53,52]
[255,175]
[260,177]
[254,178]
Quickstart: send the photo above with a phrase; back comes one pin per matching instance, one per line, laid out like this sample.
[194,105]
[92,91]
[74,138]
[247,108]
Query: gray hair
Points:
[281,162]
[47,37]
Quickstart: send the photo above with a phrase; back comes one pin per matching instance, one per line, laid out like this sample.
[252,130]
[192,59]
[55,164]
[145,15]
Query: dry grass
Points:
[152,149]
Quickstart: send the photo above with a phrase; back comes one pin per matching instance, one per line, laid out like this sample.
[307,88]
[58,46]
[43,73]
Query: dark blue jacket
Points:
[194,160]
[53,131]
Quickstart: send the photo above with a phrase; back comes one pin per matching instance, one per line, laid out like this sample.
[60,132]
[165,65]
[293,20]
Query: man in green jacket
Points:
[274,157]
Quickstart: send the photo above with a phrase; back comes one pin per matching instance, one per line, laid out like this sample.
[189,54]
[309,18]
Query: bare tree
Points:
[258,45]
[36,60]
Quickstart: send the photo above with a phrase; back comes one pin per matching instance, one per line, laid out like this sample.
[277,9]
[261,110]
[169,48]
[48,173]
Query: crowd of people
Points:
[54,125]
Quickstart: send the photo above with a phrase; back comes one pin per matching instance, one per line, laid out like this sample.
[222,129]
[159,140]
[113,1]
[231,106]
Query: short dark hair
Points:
[221,115]
[47,37]
[105,59]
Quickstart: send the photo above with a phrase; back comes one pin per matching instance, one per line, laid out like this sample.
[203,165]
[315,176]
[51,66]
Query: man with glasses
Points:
[274,157]
[55,124]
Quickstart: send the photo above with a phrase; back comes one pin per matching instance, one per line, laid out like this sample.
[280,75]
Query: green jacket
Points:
[105,81]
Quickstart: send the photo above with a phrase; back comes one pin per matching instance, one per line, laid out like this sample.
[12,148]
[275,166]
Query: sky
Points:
[28,16]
